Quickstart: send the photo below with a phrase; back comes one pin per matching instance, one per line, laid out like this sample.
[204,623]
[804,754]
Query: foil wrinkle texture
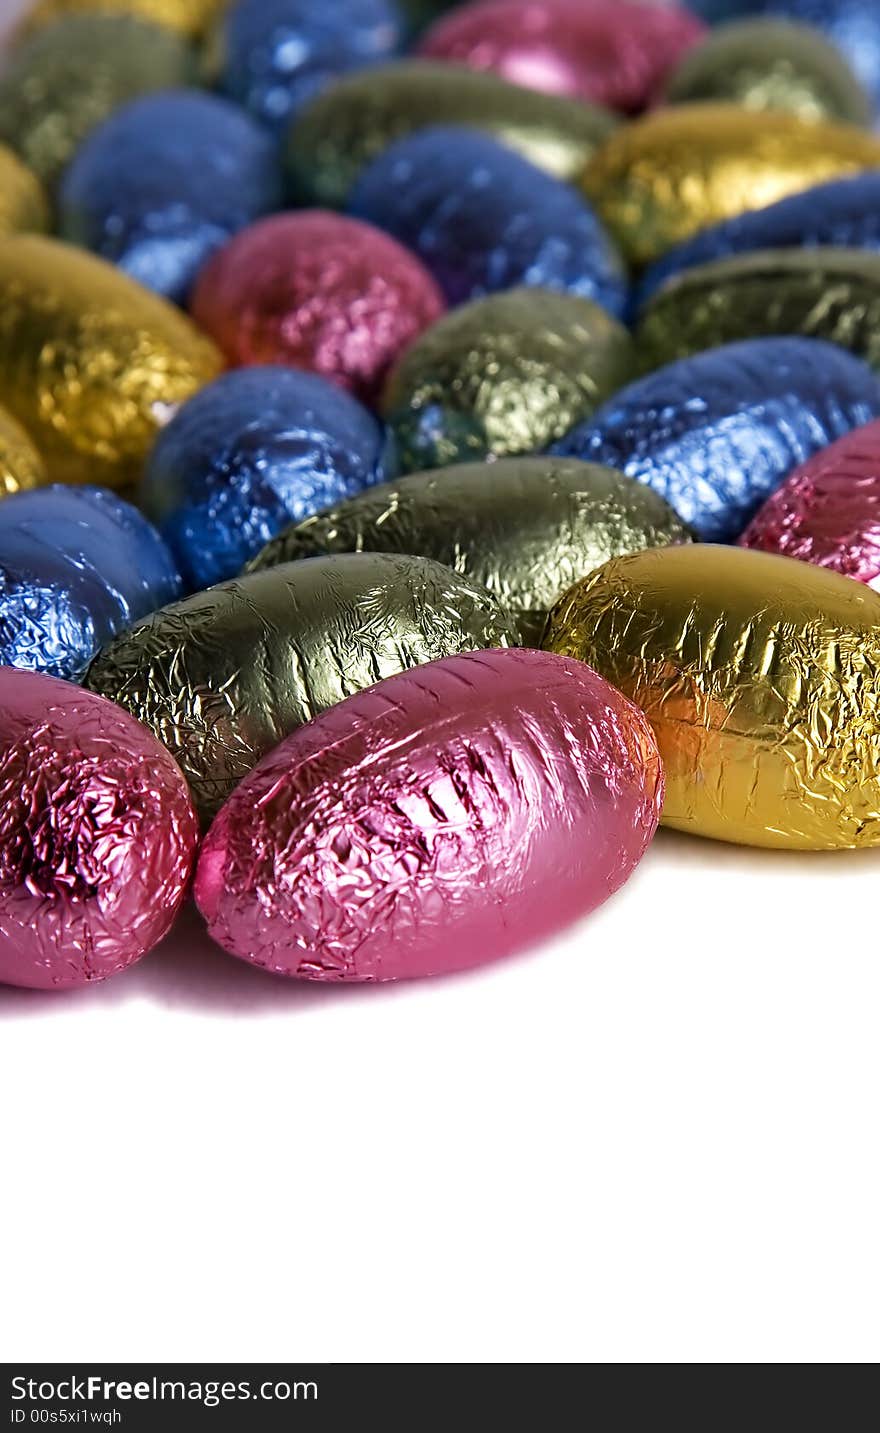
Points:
[447,817]
[21,466]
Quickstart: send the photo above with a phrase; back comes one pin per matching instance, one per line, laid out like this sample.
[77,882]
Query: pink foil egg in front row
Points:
[442,819]
[97,835]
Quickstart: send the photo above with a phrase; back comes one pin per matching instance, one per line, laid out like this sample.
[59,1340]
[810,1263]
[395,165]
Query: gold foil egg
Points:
[769,64]
[658,181]
[21,466]
[91,363]
[817,293]
[761,680]
[23,204]
[189,17]
[69,76]
[356,118]
[504,375]
[221,677]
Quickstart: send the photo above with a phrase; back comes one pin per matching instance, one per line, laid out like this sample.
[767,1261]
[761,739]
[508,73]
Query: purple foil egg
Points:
[97,835]
[442,819]
[828,510]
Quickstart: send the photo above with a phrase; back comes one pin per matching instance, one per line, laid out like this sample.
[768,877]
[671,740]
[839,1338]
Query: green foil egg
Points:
[223,676]
[504,375]
[832,294]
[356,118]
[524,528]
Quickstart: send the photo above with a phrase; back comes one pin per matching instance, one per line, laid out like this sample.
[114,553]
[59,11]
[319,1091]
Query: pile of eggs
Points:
[438,443]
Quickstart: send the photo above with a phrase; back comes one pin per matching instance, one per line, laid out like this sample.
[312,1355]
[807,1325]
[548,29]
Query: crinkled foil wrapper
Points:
[21,466]
[524,528]
[771,64]
[356,118]
[504,375]
[223,676]
[68,77]
[828,510]
[761,679]
[659,180]
[91,363]
[833,294]
[23,205]
[446,818]
[716,433]
[604,52]
[97,835]
[189,17]
[852,25]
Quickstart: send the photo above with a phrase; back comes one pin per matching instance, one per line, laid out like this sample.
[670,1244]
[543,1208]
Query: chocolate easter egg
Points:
[221,677]
[356,118]
[21,466]
[442,819]
[97,835]
[761,679]
[504,375]
[23,205]
[852,25]
[189,17]
[91,363]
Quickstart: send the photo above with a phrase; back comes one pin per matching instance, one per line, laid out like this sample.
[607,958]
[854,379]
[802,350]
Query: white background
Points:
[654,1140]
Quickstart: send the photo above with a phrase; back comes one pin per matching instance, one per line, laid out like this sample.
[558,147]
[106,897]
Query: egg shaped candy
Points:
[189,17]
[23,206]
[481,218]
[761,679]
[715,434]
[69,76]
[320,292]
[91,363]
[356,118]
[77,565]
[443,819]
[832,294]
[524,528]
[97,835]
[21,466]
[255,450]
[612,52]
[221,677]
[828,510]
[165,182]
[678,170]
[504,375]
[852,25]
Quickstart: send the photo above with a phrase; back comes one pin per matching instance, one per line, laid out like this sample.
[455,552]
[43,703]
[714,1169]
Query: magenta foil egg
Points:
[97,835]
[828,510]
[612,52]
[442,819]
[317,291]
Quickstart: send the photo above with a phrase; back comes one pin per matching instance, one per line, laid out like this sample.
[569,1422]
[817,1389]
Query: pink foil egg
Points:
[97,835]
[442,819]
[612,52]
[828,510]
[317,291]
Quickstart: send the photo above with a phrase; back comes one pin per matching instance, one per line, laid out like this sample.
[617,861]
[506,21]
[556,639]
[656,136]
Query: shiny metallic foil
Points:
[678,170]
[190,17]
[221,677]
[525,528]
[97,835]
[21,466]
[715,434]
[23,205]
[761,679]
[610,52]
[482,218]
[318,291]
[92,364]
[68,77]
[504,375]
[852,25]
[832,294]
[446,818]
[828,510]
[769,64]
[356,118]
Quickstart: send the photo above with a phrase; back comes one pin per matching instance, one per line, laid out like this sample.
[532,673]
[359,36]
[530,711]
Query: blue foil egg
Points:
[77,566]
[278,54]
[256,450]
[483,219]
[165,182]
[716,434]
[844,213]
